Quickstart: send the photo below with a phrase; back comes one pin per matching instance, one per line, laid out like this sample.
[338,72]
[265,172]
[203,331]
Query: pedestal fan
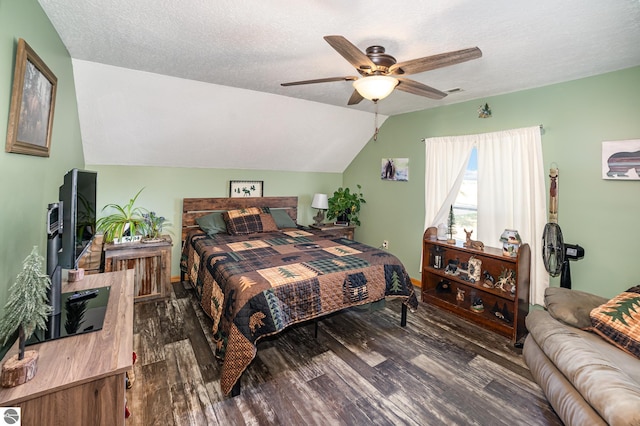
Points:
[556,254]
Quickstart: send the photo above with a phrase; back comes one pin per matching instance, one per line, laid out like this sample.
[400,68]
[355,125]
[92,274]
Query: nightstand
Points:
[152,264]
[347,231]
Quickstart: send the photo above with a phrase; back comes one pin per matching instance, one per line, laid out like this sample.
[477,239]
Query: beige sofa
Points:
[587,380]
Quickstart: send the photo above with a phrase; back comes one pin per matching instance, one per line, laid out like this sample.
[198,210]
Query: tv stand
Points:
[81,379]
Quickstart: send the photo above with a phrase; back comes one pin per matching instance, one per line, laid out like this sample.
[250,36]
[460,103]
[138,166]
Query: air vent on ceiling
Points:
[455,90]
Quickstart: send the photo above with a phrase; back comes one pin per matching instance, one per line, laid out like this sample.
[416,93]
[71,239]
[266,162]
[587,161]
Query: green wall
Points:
[577,116]
[600,215]
[29,183]
[165,187]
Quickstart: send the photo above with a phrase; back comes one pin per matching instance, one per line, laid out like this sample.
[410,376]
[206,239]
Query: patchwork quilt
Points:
[256,285]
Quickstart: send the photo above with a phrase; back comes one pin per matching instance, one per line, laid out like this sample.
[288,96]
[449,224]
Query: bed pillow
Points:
[249,220]
[618,321]
[213,223]
[282,219]
[571,307]
[268,221]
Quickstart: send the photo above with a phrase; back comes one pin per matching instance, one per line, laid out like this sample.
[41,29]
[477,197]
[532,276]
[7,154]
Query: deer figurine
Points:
[473,244]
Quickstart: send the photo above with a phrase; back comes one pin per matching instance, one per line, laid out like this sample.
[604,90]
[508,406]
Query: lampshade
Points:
[375,87]
[320,201]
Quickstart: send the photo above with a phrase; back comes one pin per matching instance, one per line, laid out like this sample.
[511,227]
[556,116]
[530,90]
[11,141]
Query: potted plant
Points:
[127,220]
[344,205]
[26,309]
[152,227]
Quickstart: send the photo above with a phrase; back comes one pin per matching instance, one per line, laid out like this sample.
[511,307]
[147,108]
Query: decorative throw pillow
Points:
[618,320]
[282,218]
[268,222]
[571,307]
[249,221]
[213,223]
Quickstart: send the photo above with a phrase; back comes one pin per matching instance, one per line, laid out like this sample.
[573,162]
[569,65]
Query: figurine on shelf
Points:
[451,226]
[460,295]
[452,267]
[477,305]
[475,268]
[443,287]
[487,280]
[473,244]
[463,271]
[506,281]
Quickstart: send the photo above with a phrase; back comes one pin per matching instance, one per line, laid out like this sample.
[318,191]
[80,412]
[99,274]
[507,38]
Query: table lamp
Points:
[320,202]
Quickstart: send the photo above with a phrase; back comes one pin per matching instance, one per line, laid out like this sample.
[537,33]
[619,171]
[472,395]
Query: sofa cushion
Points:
[606,377]
[618,320]
[572,307]
[566,401]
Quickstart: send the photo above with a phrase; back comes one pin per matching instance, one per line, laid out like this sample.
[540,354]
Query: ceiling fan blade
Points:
[433,62]
[355,98]
[415,88]
[320,80]
[350,52]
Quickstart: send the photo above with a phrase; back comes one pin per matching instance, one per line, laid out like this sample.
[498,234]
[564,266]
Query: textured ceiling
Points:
[258,45]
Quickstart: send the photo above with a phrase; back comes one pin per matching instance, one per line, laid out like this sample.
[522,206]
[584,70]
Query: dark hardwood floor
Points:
[363,369]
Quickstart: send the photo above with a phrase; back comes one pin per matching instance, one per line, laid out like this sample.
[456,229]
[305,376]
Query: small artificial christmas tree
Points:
[451,223]
[26,309]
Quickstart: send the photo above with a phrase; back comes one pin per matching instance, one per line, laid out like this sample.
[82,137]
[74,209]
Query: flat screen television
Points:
[78,198]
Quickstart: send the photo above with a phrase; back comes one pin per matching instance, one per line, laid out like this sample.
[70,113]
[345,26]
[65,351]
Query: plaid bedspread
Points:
[256,285]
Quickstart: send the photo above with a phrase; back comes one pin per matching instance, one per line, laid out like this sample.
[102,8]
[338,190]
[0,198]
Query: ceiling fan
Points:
[380,73]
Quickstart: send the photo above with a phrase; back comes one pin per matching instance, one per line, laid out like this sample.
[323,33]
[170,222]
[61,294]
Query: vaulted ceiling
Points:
[197,83]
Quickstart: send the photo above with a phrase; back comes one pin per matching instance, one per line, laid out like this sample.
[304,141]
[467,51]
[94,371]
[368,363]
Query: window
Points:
[465,208]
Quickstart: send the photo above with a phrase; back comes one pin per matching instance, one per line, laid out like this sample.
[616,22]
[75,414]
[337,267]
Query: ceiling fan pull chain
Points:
[375,133]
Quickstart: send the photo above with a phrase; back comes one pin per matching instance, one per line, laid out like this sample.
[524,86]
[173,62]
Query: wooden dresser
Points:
[81,379]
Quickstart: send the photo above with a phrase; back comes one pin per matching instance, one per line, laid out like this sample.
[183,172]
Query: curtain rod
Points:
[540,125]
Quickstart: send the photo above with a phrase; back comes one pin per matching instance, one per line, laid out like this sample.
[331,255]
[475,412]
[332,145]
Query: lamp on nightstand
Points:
[320,202]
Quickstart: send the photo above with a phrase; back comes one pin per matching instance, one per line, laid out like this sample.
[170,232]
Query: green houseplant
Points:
[344,205]
[125,219]
[153,224]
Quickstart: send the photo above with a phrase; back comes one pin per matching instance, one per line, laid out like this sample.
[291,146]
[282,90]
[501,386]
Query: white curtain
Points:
[511,190]
[446,161]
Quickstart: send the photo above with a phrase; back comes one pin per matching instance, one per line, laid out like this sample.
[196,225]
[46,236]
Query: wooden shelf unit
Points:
[81,379]
[494,262]
[151,262]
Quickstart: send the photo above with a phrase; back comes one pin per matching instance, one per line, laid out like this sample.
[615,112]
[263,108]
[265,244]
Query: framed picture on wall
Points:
[621,160]
[245,188]
[395,169]
[33,99]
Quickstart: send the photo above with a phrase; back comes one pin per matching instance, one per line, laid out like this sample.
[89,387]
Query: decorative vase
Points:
[511,242]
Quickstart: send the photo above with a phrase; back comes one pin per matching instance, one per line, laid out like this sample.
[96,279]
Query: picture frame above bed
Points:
[245,188]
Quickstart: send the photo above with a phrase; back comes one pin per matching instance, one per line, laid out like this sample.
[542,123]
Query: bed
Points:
[256,272]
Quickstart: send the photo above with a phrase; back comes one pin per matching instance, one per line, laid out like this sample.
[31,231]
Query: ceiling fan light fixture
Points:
[375,87]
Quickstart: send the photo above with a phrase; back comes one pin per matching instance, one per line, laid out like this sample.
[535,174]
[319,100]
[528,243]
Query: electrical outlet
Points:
[385,244]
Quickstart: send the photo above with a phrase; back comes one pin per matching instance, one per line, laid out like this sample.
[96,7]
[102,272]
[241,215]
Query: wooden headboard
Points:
[193,208]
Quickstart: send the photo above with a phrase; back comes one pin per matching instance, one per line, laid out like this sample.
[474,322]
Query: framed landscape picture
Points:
[245,188]
[33,100]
